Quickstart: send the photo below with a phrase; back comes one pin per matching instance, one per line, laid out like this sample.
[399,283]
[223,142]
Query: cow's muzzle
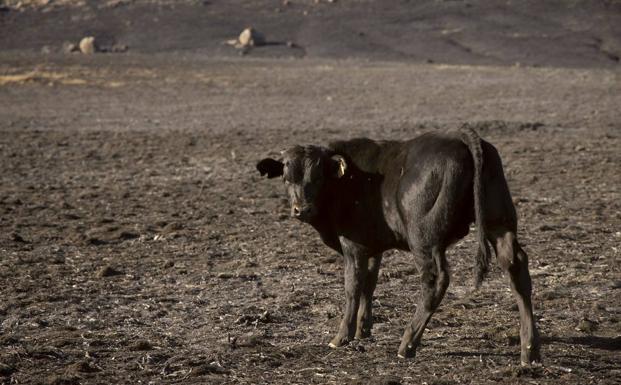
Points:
[302,213]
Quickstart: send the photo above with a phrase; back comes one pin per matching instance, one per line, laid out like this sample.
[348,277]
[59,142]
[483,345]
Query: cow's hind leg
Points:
[434,282]
[365,316]
[515,261]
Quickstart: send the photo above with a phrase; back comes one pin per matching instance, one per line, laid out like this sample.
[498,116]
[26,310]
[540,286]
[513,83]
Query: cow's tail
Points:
[473,141]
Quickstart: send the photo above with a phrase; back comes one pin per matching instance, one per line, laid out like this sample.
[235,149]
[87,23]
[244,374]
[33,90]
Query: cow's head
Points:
[305,171]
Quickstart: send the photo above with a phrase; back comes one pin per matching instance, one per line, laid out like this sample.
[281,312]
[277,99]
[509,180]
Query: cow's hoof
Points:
[406,352]
[406,355]
[363,333]
[530,356]
[338,342]
[535,361]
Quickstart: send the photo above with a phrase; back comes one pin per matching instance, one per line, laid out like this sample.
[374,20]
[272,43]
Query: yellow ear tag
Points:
[341,168]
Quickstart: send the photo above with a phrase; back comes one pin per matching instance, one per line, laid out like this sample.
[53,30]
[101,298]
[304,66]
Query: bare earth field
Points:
[138,243]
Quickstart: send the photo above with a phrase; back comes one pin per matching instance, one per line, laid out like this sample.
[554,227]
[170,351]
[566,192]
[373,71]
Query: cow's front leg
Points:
[365,315]
[355,271]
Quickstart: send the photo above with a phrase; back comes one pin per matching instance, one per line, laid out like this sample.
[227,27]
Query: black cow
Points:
[365,197]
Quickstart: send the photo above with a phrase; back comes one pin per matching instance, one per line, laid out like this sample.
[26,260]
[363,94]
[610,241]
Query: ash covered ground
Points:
[138,244]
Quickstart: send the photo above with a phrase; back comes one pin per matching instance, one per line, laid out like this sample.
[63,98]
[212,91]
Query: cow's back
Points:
[375,157]
[419,178]
[435,192]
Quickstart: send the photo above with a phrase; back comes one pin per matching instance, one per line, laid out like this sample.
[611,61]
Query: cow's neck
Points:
[349,209]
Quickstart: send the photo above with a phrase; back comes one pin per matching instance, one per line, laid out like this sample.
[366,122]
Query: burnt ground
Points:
[139,245]
[576,33]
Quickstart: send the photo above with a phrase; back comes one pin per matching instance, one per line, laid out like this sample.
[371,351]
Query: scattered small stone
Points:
[88,45]
[46,50]
[579,148]
[250,37]
[108,271]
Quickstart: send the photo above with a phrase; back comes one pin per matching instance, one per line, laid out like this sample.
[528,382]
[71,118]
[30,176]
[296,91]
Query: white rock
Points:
[250,37]
[88,46]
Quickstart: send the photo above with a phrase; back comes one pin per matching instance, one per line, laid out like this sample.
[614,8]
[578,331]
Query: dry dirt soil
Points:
[138,244]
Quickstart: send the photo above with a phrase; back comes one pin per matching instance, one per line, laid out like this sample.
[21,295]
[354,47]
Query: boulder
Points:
[250,37]
[88,45]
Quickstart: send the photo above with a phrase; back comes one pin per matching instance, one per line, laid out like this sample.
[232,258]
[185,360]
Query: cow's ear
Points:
[339,166]
[271,167]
